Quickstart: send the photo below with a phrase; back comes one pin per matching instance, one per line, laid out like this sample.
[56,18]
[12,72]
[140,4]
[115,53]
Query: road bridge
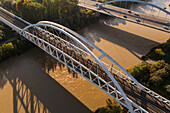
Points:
[121,9]
[74,51]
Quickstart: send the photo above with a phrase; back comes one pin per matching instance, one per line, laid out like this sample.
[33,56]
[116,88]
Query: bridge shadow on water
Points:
[105,30]
[34,91]
[134,44]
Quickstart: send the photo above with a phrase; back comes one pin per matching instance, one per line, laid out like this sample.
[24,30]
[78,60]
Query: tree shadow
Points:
[34,91]
[3,81]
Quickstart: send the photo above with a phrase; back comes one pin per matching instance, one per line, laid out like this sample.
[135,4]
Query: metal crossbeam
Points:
[114,91]
[70,54]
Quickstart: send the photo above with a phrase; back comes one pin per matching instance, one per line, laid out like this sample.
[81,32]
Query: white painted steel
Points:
[94,57]
[74,36]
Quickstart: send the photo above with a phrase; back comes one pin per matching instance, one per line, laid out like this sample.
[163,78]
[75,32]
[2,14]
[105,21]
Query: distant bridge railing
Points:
[167,13]
[161,21]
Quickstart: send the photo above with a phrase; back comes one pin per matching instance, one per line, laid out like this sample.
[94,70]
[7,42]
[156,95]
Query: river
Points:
[36,82]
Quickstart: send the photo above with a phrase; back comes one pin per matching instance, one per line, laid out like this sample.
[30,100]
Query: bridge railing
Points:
[17,29]
[142,14]
[110,90]
[122,74]
[111,6]
[113,70]
[146,19]
[14,15]
[36,40]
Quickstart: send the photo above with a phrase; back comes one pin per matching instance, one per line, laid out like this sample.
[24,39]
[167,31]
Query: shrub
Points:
[167,88]
[156,80]
[140,72]
[7,47]
[154,76]
[158,65]
[161,73]
[1,52]
[159,52]
[2,27]
[102,110]
[13,48]
[112,107]
[2,35]
[89,12]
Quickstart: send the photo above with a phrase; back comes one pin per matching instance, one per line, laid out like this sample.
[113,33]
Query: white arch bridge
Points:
[74,51]
[147,14]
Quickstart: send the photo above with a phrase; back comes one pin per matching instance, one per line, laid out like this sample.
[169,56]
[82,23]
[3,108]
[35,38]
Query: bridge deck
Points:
[15,21]
[147,20]
[148,102]
[135,94]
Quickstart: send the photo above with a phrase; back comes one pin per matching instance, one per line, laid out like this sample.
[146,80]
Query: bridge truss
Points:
[74,51]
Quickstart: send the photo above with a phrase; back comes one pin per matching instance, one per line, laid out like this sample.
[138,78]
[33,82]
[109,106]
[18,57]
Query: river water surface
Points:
[36,82]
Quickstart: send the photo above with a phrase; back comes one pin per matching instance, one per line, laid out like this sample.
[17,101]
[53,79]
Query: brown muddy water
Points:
[36,82]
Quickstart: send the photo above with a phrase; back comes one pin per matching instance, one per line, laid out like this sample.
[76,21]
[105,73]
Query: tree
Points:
[7,47]
[1,34]
[112,107]
[167,88]
[156,80]
[140,72]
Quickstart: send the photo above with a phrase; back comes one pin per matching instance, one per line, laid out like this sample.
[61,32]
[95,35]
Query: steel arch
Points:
[127,74]
[167,12]
[120,91]
[26,35]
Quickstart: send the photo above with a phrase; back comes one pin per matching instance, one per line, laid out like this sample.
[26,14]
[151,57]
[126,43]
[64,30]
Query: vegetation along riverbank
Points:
[64,12]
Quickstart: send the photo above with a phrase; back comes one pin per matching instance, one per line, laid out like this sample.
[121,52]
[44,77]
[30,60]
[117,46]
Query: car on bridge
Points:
[165,27]
[108,11]
[136,14]
[125,16]
[167,23]
[98,7]
[138,20]
[129,11]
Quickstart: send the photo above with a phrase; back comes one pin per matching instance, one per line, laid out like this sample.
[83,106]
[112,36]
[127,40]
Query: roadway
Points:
[145,19]
[12,19]
[148,102]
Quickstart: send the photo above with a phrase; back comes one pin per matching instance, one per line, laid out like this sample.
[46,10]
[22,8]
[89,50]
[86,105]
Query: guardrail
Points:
[15,16]
[88,6]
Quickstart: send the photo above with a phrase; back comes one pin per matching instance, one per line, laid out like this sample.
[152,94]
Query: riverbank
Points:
[11,43]
[34,67]
[31,71]
[127,41]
